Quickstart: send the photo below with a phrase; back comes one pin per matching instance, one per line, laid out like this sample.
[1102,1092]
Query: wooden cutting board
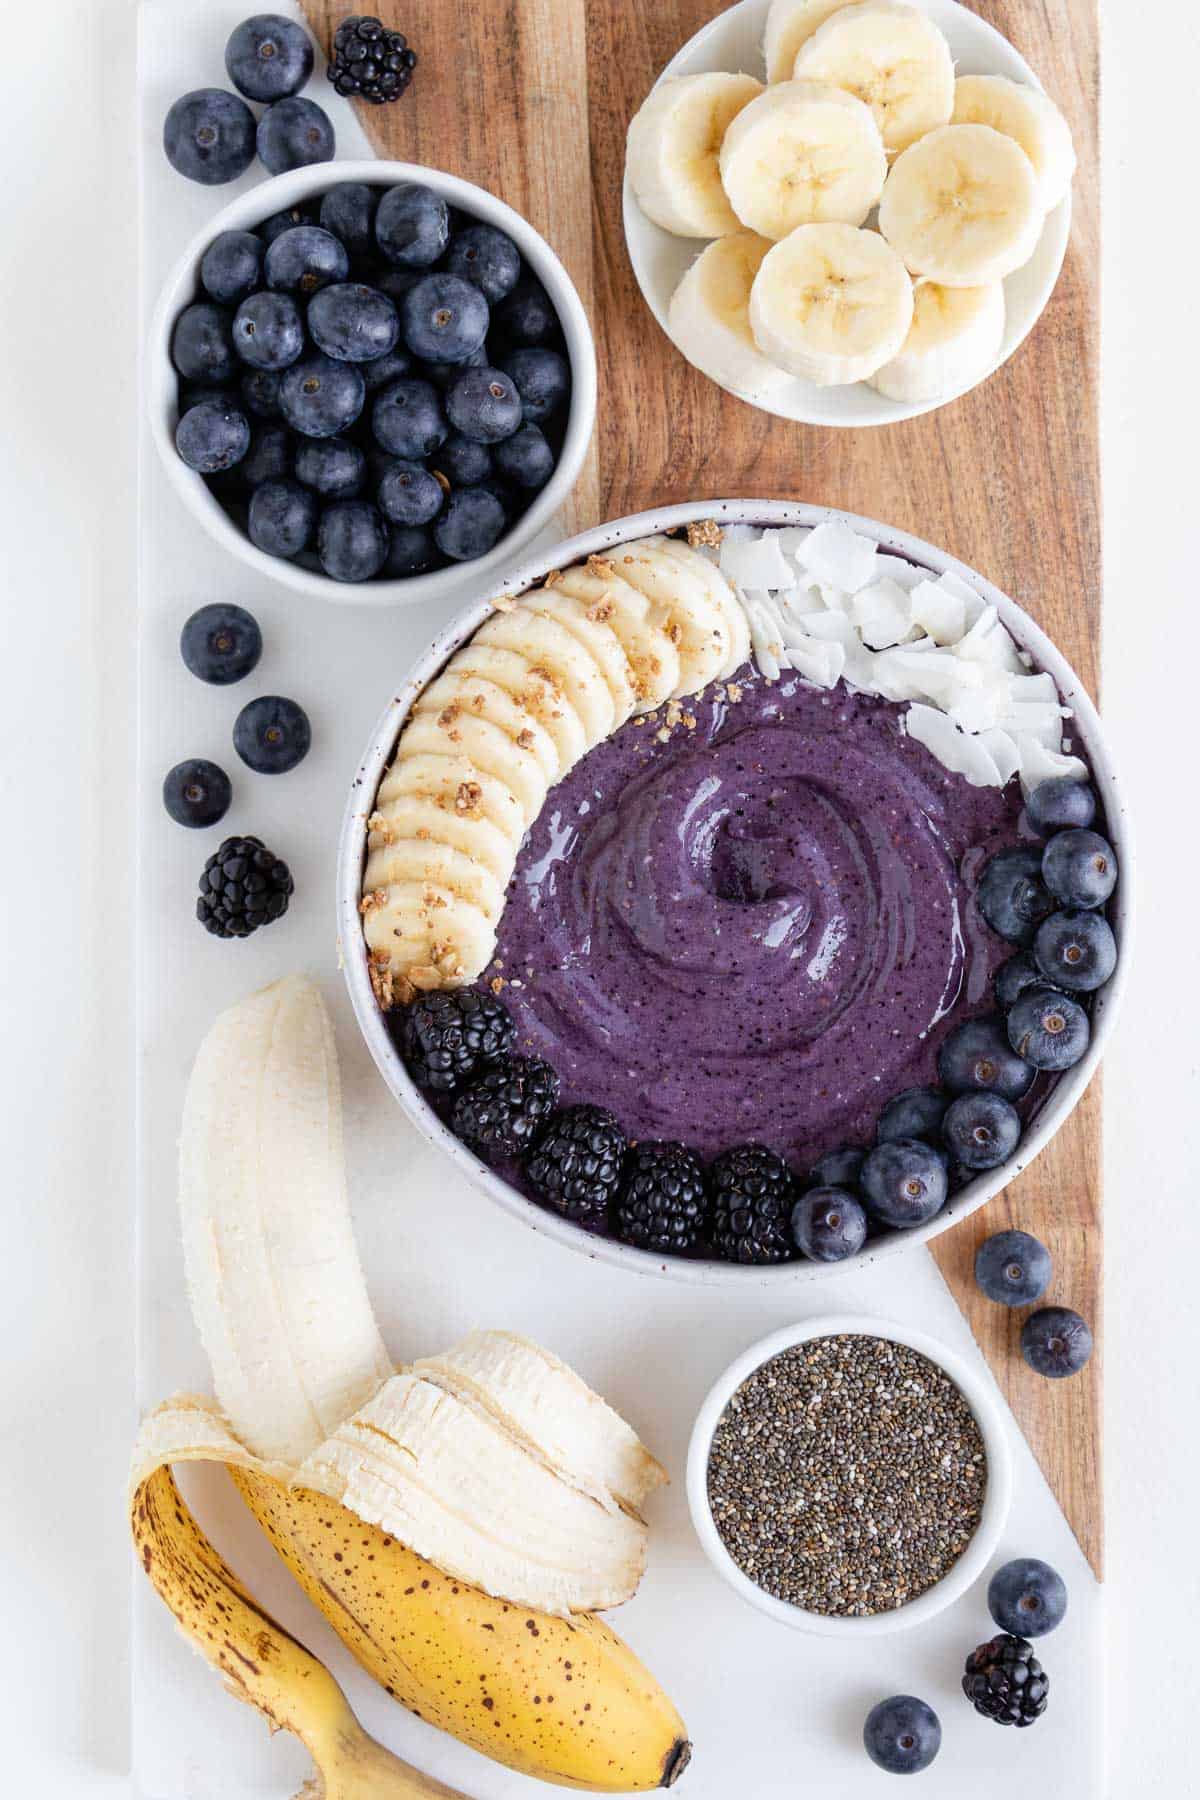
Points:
[531,98]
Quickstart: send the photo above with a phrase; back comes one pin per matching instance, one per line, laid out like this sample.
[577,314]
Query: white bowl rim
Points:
[997,1498]
[290,189]
[699,1272]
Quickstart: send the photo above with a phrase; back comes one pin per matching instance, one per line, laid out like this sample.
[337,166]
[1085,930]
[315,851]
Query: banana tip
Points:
[677,1759]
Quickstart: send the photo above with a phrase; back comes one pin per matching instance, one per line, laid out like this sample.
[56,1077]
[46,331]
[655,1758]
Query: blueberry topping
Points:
[196,793]
[916,1113]
[981,1131]
[977,1055]
[1079,868]
[1076,950]
[1015,977]
[1013,1268]
[1049,1029]
[1060,804]
[272,735]
[839,1168]
[904,1182]
[1012,896]
[828,1224]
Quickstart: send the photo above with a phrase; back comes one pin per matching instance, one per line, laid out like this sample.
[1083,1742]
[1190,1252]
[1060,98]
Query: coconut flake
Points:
[899,569]
[942,613]
[883,614]
[1039,764]
[956,750]
[817,661]
[758,564]
[833,553]
[765,636]
[1002,749]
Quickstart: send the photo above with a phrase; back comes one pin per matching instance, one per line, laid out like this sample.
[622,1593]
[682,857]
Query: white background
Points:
[67,405]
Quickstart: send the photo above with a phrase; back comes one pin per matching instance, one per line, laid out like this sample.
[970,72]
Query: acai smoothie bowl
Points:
[737,890]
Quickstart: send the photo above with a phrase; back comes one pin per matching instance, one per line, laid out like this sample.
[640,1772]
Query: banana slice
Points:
[535,689]
[672,151]
[420,816]
[791,23]
[455,691]
[954,340]
[651,653]
[1028,116]
[802,153]
[709,318]
[455,786]
[894,58]
[550,647]
[595,636]
[423,931]
[832,303]
[486,747]
[962,206]
[720,592]
[414,860]
[693,619]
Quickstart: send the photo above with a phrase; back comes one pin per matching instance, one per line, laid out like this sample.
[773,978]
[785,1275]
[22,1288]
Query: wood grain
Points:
[533,104]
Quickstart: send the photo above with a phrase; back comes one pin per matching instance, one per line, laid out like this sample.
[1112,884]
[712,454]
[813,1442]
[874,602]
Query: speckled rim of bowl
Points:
[249,210]
[1085,726]
[997,1494]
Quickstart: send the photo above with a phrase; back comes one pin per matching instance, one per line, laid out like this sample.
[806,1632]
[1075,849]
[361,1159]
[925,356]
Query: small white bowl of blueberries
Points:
[365,378]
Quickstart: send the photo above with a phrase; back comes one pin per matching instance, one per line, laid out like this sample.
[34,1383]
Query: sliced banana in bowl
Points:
[894,58]
[802,153]
[831,303]
[961,206]
[953,340]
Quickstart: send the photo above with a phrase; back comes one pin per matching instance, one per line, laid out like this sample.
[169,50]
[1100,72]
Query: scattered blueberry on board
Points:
[902,1735]
[221,643]
[1013,1268]
[1027,1597]
[196,793]
[211,135]
[272,735]
[1056,1342]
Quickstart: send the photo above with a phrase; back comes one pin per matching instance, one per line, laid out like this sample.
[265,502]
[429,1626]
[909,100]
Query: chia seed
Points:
[847,1475]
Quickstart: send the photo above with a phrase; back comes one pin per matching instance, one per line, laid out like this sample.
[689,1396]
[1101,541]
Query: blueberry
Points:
[473,521]
[463,462]
[209,136]
[305,259]
[411,551]
[268,332]
[904,1182]
[1080,868]
[231,267]
[408,494]
[269,457]
[484,405]
[839,1168]
[1027,1597]
[1076,950]
[828,1224]
[487,258]
[981,1131]
[395,283]
[444,318]
[260,392]
[196,793]
[352,541]
[1016,977]
[977,1056]
[220,643]
[916,1113]
[293,133]
[268,57]
[349,212]
[283,517]
[193,393]
[1049,1029]
[1059,804]
[321,397]
[353,322]
[407,419]
[381,371]
[1013,1268]
[1012,896]
[202,344]
[272,735]
[526,315]
[279,222]
[333,467]
[525,458]
[1056,1342]
[444,374]
[412,225]
[211,437]
[542,378]
[902,1735]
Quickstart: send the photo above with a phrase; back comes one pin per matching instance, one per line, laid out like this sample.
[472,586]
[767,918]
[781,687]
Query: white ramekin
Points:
[997,1494]
[293,189]
[1085,728]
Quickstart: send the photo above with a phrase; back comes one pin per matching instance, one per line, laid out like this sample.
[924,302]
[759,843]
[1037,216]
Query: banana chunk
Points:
[1029,117]
[673,147]
[953,342]
[651,653]
[894,58]
[693,618]
[453,731]
[455,786]
[535,689]
[720,592]
[595,636]
[709,318]
[791,23]
[550,647]
[420,816]
[962,206]
[803,153]
[417,860]
[426,934]
[832,303]
[457,691]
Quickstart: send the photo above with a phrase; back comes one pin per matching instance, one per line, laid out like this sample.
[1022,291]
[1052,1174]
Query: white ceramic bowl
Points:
[733,41]
[249,210]
[996,1499]
[1085,728]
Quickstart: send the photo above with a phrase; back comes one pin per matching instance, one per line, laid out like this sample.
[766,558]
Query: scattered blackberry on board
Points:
[196,793]
[1012,896]
[916,1113]
[209,136]
[293,133]
[445,1037]
[904,1182]
[576,1164]
[220,643]
[752,1199]
[1056,1342]
[829,1224]
[1049,1029]
[1027,1597]
[1005,1681]
[503,1110]
[268,57]
[1013,1268]
[664,1202]
[902,1735]
[272,735]
[1060,805]
[244,885]
[369,62]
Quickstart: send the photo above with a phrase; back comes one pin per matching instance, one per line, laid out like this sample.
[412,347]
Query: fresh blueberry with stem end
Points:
[196,793]
[463,462]
[1076,950]
[269,457]
[483,404]
[352,540]
[525,458]
[977,1056]
[412,225]
[526,316]
[443,374]
[444,318]
[220,643]
[1015,977]
[352,322]
[1080,868]
[828,1224]
[381,371]
[902,1735]
[841,1168]
[1012,896]
[904,1182]
[407,419]
[208,135]
[487,258]
[1060,804]
[348,210]
[981,1131]
[231,267]
[1049,1029]
[283,518]
[1012,1268]
[333,467]
[1027,1597]
[541,377]
[293,133]
[321,397]
[916,1113]
[268,57]
[212,437]
[286,220]
[202,344]
[268,331]
[260,392]
[408,494]
[411,551]
[272,735]
[1056,1342]
[304,260]
[474,520]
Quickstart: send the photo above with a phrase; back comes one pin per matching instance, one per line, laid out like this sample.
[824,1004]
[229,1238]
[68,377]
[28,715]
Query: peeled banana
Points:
[673,148]
[953,341]
[831,303]
[802,153]
[962,207]
[893,57]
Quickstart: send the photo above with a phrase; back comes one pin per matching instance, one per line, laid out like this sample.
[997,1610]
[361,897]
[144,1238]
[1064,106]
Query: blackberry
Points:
[445,1037]
[369,62]
[664,1203]
[1005,1681]
[752,1200]
[576,1165]
[244,885]
[503,1110]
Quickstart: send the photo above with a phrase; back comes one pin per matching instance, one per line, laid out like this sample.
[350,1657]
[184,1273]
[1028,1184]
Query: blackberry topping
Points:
[664,1205]
[444,1037]
[1005,1681]
[753,1196]
[503,1110]
[244,885]
[576,1166]
[369,62]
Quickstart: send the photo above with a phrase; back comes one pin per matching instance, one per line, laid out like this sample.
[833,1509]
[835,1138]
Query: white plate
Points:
[734,41]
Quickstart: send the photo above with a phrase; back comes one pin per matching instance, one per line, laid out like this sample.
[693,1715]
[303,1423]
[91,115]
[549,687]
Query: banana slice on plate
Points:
[549,646]
[593,635]
[709,318]
[894,58]
[721,593]
[420,816]
[694,620]
[414,860]
[791,23]
[953,342]
[802,153]
[486,747]
[456,691]
[962,206]
[651,653]
[672,151]
[832,303]
[425,932]
[454,785]
[535,689]
[1031,118]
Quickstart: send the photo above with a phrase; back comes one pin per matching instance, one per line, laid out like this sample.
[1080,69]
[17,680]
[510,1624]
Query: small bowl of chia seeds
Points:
[849,1476]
